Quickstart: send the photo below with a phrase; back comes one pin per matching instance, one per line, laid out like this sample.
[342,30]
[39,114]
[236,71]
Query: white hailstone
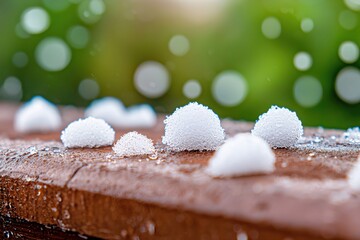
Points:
[193,127]
[280,127]
[37,115]
[113,112]
[139,116]
[109,109]
[243,154]
[90,132]
[132,144]
[354,176]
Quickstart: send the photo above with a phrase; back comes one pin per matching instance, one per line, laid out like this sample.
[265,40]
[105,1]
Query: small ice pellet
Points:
[132,144]
[114,112]
[242,154]
[109,109]
[353,176]
[90,132]
[37,115]
[279,127]
[193,127]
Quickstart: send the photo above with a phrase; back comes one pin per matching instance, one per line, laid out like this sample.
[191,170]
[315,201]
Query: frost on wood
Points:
[113,112]
[132,144]
[89,132]
[193,127]
[352,135]
[280,127]
[37,115]
[242,155]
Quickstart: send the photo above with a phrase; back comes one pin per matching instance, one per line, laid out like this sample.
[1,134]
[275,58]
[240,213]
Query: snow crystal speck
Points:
[132,144]
[37,115]
[193,127]
[354,176]
[113,112]
[242,155]
[280,127]
[90,132]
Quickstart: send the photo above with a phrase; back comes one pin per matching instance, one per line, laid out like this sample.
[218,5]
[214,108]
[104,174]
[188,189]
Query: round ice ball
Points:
[243,154]
[279,127]
[132,144]
[193,127]
[90,132]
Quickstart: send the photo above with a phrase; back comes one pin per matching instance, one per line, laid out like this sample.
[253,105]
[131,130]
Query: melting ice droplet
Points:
[37,115]
[90,132]
[242,155]
[280,127]
[132,144]
[193,127]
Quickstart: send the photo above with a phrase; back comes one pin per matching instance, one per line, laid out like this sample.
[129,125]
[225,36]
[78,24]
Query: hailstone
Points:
[193,127]
[279,126]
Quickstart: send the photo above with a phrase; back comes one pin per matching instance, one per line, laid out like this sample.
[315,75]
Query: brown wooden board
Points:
[95,193]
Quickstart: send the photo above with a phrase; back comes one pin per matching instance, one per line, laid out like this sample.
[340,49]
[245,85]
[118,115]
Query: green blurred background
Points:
[238,57]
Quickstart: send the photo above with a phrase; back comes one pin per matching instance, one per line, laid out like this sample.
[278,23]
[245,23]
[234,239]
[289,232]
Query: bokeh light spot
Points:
[308,91]
[353,4]
[90,11]
[78,36]
[151,79]
[192,89]
[11,88]
[271,28]
[347,85]
[53,54]
[349,52]
[179,45]
[20,59]
[229,88]
[303,61]
[348,19]
[89,89]
[97,7]
[35,20]
[307,25]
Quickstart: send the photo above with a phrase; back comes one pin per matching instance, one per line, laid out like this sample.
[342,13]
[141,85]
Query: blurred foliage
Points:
[222,37]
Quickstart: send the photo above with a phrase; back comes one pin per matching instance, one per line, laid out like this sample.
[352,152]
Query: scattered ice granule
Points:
[37,115]
[354,176]
[109,109]
[352,135]
[242,154]
[134,143]
[90,132]
[193,127]
[280,127]
[113,112]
